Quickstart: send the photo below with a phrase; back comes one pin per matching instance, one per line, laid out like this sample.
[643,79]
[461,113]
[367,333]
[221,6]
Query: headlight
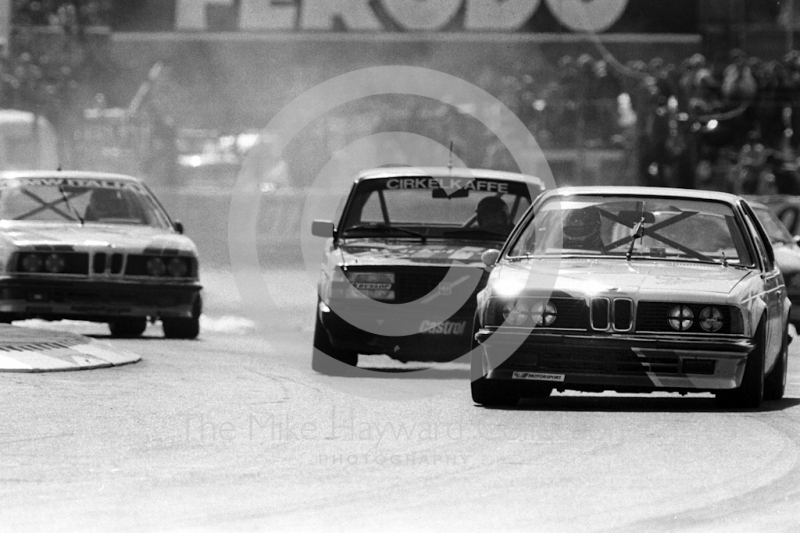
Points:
[177,267]
[31,263]
[681,318]
[544,313]
[156,266]
[375,285]
[55,263]
[515,313]
[711,319]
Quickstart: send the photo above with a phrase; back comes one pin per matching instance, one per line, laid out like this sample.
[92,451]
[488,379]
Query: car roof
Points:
[620,190]
[447,172]
[17,174]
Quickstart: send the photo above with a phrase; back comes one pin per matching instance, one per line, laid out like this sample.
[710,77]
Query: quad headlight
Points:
[681,317]
[31,263]
[515,313]
[156,266]
[711,319]
[55,263]
[177,267]
[539,312]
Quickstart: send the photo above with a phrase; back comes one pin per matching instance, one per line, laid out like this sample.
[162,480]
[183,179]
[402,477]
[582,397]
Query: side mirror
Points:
[322,228]
[178,227]
[489,257]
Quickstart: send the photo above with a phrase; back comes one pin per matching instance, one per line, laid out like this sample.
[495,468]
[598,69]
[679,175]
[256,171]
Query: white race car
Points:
[98,247]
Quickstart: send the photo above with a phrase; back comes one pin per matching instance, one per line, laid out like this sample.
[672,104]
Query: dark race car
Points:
[403,264]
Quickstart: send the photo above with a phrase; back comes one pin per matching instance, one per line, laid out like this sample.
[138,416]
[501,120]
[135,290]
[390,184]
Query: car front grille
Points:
[415,283]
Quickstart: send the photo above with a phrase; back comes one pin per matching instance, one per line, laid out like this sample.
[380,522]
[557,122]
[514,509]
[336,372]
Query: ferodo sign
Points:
[398,15]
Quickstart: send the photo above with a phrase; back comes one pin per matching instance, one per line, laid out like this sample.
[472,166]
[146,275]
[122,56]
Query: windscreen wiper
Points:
[382,228]
[69,204]
[638,233]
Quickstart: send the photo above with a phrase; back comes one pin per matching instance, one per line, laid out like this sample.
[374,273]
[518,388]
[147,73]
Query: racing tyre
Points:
[128,328]
[326,358]
[181,328]
[750,393]
[184,328]
[775,382]
[485,392]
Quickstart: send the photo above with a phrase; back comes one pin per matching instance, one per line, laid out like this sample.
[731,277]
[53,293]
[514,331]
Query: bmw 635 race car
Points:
[98,247]
[402,266]
[633,290]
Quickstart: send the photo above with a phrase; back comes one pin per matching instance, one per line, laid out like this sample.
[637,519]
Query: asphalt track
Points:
[233,432]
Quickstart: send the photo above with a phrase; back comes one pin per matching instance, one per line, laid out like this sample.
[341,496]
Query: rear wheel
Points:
[325,357]
[775,382]
[750,393]
[128,327]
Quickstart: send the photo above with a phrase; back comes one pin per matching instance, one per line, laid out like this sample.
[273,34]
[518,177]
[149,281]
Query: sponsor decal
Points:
[443,328]
[538,376]
[71,182]
[467,252]
[448,184]
[376,15]
[372,286]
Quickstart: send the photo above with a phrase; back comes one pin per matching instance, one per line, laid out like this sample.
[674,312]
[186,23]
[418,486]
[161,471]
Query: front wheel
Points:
[750,393]
[775,382]
[486,392]
[128,327]
[181,327]
[325,357]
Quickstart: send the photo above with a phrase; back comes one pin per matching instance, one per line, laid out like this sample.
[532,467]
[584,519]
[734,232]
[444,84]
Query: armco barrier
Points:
[204,214]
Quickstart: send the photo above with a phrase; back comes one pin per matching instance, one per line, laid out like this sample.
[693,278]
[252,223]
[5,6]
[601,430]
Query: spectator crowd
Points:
[728,123]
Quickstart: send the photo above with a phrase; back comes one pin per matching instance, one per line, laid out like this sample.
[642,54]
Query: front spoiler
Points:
[97,300]
[624,363]
[432,346]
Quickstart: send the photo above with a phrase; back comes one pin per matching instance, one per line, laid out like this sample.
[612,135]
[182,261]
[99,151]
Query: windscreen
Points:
[90,201]
[623,227]
[436,207]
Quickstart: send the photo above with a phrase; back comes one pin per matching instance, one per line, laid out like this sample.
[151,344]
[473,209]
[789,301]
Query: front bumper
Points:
[444,343]
[95,300]
[619,362]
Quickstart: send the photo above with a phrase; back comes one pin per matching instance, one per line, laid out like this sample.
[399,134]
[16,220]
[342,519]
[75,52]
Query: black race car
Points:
[403,264]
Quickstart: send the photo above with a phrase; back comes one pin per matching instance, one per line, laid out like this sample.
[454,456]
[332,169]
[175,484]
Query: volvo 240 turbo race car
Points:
[402,265]
[98,247]
[633,290]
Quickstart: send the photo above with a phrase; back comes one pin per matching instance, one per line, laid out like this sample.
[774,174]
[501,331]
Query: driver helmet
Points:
[582,227]
[492,213]
[107,203]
